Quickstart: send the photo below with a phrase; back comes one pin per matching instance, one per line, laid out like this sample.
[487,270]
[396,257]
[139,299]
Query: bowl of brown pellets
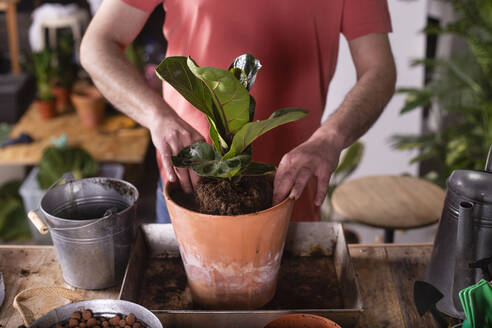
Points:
[99,313]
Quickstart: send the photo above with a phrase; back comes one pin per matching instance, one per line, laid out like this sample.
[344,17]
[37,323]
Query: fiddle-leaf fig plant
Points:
[223,96]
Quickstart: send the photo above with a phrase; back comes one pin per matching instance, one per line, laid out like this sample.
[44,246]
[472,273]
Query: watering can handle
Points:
[26,314]
[38,222]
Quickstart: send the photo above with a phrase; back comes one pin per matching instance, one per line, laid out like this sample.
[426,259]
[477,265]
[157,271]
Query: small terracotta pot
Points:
[302,321]
[46,108]
[62,102]
[231,262]
[89,103]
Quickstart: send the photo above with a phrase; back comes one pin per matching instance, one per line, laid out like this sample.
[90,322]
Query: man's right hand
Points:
[170,134]
[102,56]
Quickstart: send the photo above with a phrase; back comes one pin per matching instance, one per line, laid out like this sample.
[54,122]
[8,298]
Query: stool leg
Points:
[389,236]
[52,37]
[13,37]
[77,38]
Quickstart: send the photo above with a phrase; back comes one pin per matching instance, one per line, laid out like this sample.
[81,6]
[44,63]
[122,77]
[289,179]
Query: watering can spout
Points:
[488,164]
[465,252]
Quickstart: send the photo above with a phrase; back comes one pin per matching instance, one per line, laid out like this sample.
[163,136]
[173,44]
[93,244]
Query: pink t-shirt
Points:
[297,44]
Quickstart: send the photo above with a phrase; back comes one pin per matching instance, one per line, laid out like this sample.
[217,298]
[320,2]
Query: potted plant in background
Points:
[231,239]
[63,73]
[460,93]
[43,72]
[89,104]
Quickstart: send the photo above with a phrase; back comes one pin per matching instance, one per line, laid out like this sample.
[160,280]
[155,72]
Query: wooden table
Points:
[122,146]
[385,272]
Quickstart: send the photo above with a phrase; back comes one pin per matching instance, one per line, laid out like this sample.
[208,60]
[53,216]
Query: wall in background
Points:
[408,17]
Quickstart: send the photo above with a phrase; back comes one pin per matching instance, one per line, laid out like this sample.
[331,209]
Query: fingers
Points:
[323,183]
[166,154]
[184,180]
[303,176]
[284,179]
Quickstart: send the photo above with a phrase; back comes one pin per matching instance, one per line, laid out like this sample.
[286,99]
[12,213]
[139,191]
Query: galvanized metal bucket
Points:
[90,221]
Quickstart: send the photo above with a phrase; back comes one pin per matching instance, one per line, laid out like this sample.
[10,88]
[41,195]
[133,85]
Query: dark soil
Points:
[225,197]
[308,282]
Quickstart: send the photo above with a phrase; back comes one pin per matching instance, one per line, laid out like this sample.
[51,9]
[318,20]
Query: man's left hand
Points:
[318,156]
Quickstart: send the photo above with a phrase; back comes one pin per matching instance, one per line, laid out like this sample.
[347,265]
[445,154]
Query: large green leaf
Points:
[228,94]
[197,152]
[175,71]
[250,131]
[221,168]
[257,169]
[205,161]
[248,65]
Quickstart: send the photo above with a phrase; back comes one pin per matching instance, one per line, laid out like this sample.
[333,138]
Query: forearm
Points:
[120,82]
[361,107]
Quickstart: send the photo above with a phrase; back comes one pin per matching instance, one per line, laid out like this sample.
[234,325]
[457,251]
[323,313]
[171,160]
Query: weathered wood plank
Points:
[35,267]
[408,265]
[380,298]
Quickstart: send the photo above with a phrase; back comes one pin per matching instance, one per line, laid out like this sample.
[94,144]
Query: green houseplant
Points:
[64,72]
[232,256]
[222,95]
[43,72]
[462,90]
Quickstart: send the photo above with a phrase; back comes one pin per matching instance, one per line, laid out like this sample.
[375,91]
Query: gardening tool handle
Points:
[38,222]
[26,314]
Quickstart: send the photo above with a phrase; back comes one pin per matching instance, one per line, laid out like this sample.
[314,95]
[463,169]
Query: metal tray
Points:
[317,250]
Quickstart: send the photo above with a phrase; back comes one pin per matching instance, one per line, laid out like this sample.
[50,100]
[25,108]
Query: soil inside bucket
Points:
[224,197]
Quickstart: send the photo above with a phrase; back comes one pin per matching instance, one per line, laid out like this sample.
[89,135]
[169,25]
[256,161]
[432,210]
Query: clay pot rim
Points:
[202,216]
[324,320]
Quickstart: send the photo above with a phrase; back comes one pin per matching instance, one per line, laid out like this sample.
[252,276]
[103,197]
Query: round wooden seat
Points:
[390,202]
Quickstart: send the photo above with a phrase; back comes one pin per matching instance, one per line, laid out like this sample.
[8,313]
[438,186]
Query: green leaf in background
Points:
[58,160]
[351,159]
[248,66]
[13,221]
[250,131]
[228,94]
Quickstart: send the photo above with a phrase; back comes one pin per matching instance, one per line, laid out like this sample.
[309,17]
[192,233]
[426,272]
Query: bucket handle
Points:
[26,313]
[35,218]
[38,222]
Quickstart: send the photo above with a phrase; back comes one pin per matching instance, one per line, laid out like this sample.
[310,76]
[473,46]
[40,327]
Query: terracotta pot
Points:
[62,102]
[231,262]
[302,321]
[46,108]
[89,103]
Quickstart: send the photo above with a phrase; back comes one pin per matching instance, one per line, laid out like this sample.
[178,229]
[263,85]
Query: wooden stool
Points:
[389,202]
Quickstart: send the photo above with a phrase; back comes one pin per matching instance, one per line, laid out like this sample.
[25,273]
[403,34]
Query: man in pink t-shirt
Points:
[297,44]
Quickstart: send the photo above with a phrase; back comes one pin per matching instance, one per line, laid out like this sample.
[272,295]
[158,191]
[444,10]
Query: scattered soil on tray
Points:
[224,197]
[164,285]
[304,283]
[307,283]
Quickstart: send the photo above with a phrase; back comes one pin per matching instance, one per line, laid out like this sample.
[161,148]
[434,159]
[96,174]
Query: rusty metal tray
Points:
[316,276]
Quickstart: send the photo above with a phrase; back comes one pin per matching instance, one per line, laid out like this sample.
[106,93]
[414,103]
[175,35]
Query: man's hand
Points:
[318,157]
[170,134]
